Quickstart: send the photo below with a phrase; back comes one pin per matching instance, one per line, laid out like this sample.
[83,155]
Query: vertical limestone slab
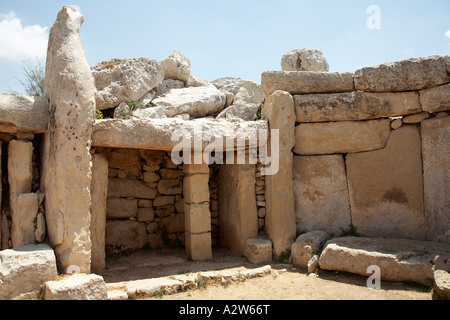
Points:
[280,213]
[386,188]
[237,205]
[196,210]
[436,177]
[99,192]
[321,193]
[69,86]
[20,175]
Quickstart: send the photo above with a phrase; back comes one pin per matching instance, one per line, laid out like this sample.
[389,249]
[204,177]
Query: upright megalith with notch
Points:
[69,87]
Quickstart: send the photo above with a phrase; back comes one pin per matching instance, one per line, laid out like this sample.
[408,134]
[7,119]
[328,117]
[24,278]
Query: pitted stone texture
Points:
[125,80]
[77,287]
[304,60]
[24,219]
[436,99]
[406,75]
[69,85]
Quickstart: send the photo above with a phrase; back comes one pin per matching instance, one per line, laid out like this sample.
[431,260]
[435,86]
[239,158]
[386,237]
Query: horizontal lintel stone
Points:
[355,106]
[305,82]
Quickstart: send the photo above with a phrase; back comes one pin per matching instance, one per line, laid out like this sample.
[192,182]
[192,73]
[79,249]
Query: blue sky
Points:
[229,37]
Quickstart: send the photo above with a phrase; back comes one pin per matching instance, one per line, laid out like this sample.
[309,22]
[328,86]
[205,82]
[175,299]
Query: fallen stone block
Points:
[25,269]
[406,75]
[441,287]
[306,247]
[398,259]
[76,287]
[258,250]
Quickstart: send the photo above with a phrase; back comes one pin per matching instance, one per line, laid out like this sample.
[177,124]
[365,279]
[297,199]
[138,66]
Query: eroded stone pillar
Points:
[69,86]
[280,213]
[23,204]
[99,192]
[196,210]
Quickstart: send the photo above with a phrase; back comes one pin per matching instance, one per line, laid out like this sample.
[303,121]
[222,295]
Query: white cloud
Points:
[447,34]
[21,42]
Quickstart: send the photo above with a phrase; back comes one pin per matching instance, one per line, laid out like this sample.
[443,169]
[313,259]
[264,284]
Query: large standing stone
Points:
[303,82]
[279,195]
[436,177]
[398,259]
[320,193]
[20,175]
[24,219]
[77,287]
[69,85]
[355,106]
[25,269]
[304,60]
[386,189]
[125,80]
[237,206]
[406,75]
[99,191]
[341,137]
[436,99]
[197,102]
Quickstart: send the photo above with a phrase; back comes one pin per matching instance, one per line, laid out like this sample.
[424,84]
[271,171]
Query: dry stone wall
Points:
[370,148]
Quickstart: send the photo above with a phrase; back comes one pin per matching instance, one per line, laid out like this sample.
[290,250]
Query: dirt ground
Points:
[285,283]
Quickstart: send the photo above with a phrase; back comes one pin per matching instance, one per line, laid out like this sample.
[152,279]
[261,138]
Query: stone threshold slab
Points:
[146,288]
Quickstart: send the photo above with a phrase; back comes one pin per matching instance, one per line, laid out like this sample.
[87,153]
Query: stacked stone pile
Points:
[144,89]
[362,141]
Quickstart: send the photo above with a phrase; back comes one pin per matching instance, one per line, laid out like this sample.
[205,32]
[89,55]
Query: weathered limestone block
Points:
[386,189]
[398,259]
[406,75]
[441,285]
[238,218]
[156,134]
[66,180]
[341,137]
[355,106]
[128,160]
[13,107]
[121,208]
[125,80]
[197,102]
[145,214]
[198,246]
[41,230]
[176,66]
[321,193]
[5,232]
[170,186]
[174,223]
[99,192]
[25,269]
[435,99]
[306,246]
[198,217]
[258,250]
[436,178]
[279,195]
[416,118]
[129,188]
[125,235]
[77,287]
[303,82]
[194,190]
[24,219]
[304,60]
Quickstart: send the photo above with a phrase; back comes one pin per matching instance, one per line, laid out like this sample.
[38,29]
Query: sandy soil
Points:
[285,283]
